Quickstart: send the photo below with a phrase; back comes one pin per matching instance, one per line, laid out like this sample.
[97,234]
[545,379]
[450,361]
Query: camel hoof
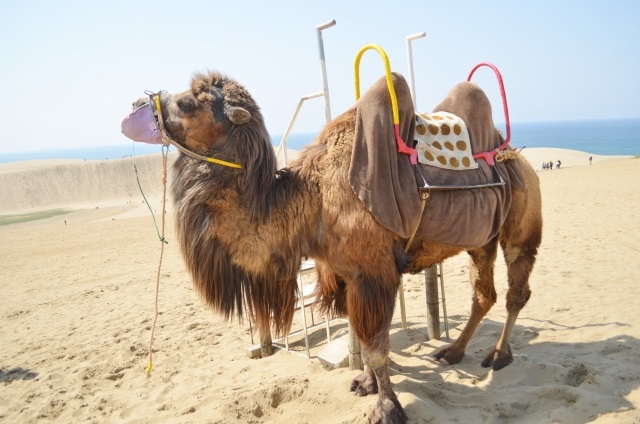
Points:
[449,356]
[498,359]
[364,385]
[388,411]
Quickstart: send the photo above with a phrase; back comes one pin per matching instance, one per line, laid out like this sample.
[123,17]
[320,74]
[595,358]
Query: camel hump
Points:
[379,91]
[468,101]
[381,178]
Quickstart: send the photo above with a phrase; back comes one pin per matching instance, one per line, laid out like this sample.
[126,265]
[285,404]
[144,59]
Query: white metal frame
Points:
[308,267]
[324,93]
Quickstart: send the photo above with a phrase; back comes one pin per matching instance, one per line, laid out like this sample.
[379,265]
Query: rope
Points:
[424,195]
[161,237]
[503,155]
[165,151]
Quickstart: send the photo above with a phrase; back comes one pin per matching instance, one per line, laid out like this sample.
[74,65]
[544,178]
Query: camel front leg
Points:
[370,303]
[266,344]
[375,379]
[388,409]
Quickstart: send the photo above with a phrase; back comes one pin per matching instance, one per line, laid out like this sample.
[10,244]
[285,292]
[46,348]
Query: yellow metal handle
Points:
[387,70]
[402,146]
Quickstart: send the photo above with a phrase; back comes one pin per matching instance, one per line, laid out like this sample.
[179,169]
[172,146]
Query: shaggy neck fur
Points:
[243,233]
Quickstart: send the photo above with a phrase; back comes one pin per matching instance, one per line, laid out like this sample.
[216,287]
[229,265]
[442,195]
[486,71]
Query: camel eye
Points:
[187,105]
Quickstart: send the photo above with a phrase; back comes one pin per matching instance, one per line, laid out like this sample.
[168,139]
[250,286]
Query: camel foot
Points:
[498,359]
[449,355]
[364,384]
[388,411]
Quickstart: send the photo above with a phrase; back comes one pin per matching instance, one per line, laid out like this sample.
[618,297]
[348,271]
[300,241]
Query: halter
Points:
[166,140]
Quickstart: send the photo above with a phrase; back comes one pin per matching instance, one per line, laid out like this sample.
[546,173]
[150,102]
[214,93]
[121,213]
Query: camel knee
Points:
[520,263]
[485,298]
[517,299]
[375,358]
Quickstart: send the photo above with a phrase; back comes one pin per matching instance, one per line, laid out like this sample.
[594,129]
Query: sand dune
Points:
[39,185]
[78,305]
[69,183]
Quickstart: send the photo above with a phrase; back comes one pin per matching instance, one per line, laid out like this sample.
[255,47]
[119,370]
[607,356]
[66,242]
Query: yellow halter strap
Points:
[167,140]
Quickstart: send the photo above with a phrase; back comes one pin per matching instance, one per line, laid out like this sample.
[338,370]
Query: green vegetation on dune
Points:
[34,216]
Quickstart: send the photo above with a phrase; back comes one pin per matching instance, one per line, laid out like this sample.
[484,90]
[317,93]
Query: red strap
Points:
[403,148]
[488,156]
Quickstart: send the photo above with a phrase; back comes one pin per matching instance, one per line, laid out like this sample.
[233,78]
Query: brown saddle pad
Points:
[385,182]
[471,217]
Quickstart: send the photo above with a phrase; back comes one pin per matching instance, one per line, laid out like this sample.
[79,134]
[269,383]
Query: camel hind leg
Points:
[519,264]
[520,238]
[484,297]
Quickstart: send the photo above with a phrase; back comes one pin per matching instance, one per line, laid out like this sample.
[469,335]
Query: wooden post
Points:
[355,358]
[433,311]
[403,311]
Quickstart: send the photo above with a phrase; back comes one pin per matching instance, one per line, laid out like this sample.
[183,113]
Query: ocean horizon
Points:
[618,137]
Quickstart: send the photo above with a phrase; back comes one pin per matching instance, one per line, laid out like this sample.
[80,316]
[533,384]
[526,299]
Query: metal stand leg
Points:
[433,312]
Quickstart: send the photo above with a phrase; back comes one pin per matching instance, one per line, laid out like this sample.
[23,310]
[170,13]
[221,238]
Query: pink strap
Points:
[403,148]
[488,156]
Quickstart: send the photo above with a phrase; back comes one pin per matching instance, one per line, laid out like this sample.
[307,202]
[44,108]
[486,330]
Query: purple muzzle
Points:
[140,125]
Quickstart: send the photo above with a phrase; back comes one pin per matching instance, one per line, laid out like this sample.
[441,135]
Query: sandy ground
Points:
[78,303]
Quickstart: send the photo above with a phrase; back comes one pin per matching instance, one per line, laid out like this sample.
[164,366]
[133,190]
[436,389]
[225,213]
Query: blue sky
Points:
[69,70]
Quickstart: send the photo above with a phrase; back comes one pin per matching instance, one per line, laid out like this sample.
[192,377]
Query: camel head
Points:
[204,118]
[217,118]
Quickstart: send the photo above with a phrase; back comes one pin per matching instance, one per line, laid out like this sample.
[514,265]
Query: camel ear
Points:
[238,115]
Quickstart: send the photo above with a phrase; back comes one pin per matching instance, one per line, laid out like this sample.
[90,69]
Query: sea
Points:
[619,137]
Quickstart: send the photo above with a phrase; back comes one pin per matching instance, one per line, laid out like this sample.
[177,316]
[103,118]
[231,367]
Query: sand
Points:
[78,297]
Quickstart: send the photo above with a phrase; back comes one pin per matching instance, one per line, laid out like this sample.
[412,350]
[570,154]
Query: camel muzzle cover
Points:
[140,125]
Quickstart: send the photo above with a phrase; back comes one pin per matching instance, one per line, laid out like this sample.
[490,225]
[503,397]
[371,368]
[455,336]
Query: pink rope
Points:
[504,99]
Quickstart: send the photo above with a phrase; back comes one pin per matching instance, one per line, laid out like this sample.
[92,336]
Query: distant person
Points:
[590,159]
[551,165]
[558,165]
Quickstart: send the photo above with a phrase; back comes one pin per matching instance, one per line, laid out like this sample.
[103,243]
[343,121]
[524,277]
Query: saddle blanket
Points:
[443,141]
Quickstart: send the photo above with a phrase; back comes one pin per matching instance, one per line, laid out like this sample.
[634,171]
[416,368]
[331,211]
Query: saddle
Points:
[389,186]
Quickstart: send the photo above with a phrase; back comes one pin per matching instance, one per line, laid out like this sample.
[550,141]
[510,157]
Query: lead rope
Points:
[424,196]
[165,151]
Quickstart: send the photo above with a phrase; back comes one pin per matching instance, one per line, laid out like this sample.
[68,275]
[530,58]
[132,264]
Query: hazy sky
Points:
[69,70]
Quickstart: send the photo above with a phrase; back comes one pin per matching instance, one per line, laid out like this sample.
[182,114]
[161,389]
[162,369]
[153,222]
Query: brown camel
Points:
[243,232]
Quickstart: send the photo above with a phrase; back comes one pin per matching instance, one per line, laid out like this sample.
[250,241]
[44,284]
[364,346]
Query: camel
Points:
[244,227]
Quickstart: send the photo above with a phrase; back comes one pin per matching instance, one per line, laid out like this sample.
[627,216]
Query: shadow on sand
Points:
[548,381]
[17,373]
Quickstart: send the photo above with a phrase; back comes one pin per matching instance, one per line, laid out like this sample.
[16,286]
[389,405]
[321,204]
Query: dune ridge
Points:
[30,185]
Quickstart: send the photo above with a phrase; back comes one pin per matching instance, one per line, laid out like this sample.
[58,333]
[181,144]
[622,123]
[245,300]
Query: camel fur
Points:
[243,233]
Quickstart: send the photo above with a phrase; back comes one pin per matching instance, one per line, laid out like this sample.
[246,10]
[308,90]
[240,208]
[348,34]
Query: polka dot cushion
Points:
[443,141]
